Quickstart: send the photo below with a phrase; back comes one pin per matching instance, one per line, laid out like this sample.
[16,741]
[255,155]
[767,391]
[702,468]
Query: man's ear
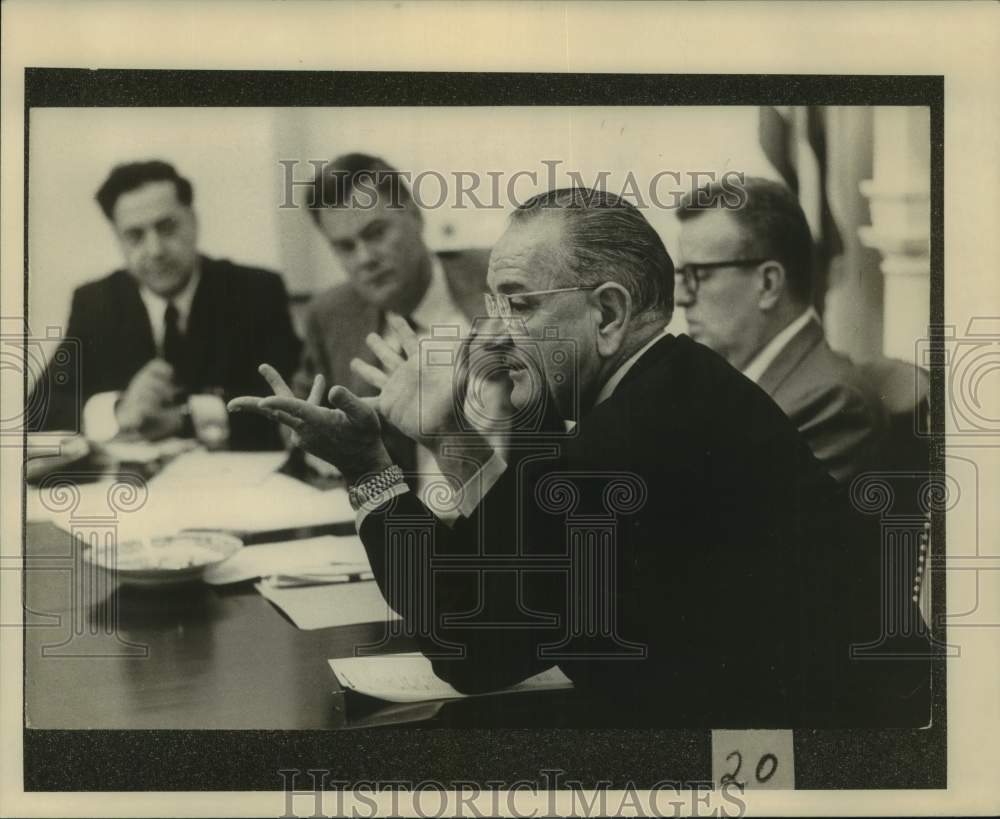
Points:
[615,305]
[773,281]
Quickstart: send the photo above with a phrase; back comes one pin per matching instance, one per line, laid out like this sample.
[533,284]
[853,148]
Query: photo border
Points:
[849,759]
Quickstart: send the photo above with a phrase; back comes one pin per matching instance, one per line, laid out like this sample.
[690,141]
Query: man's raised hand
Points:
[417,397]
[347,436]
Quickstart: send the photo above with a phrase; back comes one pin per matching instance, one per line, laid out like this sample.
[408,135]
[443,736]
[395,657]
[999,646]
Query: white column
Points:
[899,200]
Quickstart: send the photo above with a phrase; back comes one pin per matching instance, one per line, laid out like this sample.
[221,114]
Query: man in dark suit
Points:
[746,290]
[682,556]
[367,215]
[174,332]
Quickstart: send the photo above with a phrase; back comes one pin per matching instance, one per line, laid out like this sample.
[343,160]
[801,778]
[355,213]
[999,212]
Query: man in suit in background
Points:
[716,586]
[367,215]
[746,290]
[173,332]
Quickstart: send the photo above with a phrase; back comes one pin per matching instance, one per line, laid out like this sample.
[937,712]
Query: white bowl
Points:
[157,561]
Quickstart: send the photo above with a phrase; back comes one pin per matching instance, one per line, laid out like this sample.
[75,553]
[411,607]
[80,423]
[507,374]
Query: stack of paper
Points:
[411,678]
[200,490]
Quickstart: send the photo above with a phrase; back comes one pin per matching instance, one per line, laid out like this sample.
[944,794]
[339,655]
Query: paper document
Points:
[411,678]
[146,452]
[166,506]
[292,557]
[221,468]
[329,605]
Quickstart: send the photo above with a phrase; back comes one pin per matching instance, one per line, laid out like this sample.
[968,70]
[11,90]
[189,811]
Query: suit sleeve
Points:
[481,628]
[843,427]
[276,344]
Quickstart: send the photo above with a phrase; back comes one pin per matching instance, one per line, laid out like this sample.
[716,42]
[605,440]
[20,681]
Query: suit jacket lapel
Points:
[791,356]
[136,332]
[205,349]
[350,343]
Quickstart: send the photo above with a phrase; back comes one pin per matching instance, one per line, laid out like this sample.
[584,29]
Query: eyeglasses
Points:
[498,306]
[694,274]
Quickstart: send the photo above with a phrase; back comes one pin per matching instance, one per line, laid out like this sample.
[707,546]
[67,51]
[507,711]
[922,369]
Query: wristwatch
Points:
[371,487]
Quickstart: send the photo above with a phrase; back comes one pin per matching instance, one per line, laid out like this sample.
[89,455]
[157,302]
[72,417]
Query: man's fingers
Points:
[295,407]
[164,390]
[251,403]
[354,408]
[373,375]
[318,389]
[160,368]
[389,357]
[246,403]
[288,420]
[405,334]
[274,379]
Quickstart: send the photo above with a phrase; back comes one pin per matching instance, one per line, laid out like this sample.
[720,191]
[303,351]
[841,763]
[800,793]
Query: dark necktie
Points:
[173,342]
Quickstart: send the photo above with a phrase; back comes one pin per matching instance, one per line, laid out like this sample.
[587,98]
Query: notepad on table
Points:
[328,605]
[410,678]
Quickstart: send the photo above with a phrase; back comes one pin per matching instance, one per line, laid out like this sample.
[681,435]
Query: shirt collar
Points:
[612,383]
[156,304]
[437,307]
[765,358]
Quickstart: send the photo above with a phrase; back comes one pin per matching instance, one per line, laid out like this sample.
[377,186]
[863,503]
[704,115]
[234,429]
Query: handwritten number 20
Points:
[767,765]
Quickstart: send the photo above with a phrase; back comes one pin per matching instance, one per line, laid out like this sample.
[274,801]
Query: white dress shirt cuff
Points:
[477,487]
[209,418]
[99,420]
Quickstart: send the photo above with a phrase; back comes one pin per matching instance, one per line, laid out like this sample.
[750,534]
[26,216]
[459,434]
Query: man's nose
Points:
[363,254]
[151,244]
[683,297]
[492,333]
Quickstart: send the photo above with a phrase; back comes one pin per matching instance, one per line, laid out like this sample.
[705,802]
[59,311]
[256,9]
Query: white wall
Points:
[231,155]
[587,140]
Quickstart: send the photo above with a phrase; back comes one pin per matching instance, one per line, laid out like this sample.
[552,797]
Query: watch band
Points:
[363,491]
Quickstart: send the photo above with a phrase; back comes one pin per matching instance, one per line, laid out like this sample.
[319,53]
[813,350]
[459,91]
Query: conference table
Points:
[100,654]
[196,656]
[102,660]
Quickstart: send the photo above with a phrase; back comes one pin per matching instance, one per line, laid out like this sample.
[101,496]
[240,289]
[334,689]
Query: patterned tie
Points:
[173,341]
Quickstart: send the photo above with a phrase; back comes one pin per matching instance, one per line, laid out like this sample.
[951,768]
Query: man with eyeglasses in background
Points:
[724,592]
[746,287]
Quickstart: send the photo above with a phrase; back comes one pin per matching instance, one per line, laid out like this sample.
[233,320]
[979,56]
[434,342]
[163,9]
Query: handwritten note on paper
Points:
[753,759]
[410,678]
